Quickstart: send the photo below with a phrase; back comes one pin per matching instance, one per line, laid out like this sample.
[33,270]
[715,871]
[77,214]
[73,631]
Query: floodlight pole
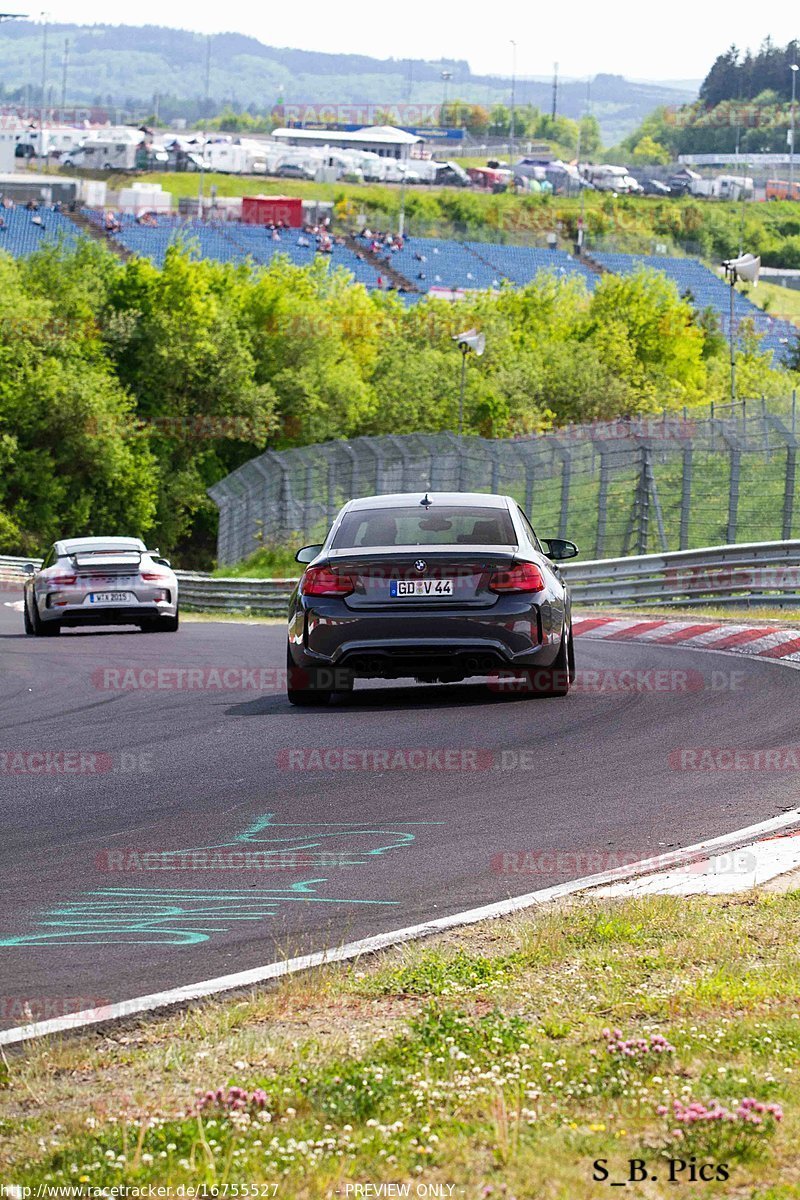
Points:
[511,128]
[731,274]
[732,341]
[464,353]
[44,82]
[200,189]
[794,69]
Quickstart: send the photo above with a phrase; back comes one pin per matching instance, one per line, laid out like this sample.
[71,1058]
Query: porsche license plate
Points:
[111,598]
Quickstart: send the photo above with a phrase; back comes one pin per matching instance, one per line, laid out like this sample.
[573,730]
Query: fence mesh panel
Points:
[626,487]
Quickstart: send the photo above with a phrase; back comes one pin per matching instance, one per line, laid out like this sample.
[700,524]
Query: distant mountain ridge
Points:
[128,66]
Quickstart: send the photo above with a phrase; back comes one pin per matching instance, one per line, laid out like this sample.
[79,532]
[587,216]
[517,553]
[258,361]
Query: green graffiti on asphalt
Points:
[179,916]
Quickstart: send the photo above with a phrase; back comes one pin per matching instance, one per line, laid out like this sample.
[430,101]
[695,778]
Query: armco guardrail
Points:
[746,573]
[198,591]
[266,597]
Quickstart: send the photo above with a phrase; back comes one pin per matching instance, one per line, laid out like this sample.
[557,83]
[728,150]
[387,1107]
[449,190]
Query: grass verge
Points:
[268,562]
[502,1060]
[778,301]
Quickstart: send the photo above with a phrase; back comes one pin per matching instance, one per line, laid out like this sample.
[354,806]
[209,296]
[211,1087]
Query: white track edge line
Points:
[381,941]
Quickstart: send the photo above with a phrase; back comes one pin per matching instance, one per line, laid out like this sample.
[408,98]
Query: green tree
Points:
[648,150]
[176,339]
[73,461]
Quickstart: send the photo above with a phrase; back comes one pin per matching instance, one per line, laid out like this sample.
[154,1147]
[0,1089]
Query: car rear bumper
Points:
[130,614]
[512,634]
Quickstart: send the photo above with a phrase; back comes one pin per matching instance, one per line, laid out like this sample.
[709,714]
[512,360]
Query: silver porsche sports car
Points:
[100,581]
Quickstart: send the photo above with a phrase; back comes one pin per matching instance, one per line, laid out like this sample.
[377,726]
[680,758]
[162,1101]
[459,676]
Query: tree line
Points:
[737,76]
[126,390]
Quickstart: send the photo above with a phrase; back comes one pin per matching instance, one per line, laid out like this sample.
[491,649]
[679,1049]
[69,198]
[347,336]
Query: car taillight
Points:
[153,576]
[321,581]
[524,577]
[62,580]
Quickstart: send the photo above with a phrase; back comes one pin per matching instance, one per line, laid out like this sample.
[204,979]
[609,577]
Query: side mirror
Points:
[559,548]
[308,553]
[29,569]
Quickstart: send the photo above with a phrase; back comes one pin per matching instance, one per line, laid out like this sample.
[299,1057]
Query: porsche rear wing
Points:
[93,563]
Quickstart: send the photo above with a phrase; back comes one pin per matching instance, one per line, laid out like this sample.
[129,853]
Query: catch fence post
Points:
[643,497]
[686,498]
[602,505]
[733,493]
[566,473]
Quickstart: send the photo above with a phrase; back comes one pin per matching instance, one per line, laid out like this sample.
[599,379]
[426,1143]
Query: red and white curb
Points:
[748,866]
[768,642]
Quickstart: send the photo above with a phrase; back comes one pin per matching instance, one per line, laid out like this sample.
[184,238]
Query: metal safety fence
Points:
[744,574]
[668,482]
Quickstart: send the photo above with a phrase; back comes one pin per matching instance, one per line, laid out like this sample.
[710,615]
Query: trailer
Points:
[53,141]
[121,149]
[235,158]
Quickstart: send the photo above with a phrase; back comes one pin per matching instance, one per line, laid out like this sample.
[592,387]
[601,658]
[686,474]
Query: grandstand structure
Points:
[423,266]
[24,230]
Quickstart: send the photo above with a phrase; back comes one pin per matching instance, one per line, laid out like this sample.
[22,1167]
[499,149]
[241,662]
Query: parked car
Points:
[451,174]
[294,171]
[436,587]
[655,187]
[100,581]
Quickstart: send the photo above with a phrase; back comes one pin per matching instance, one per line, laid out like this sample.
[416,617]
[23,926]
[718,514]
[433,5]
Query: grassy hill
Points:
[127,66]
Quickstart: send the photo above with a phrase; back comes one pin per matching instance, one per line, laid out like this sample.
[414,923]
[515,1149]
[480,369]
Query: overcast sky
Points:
[678,40]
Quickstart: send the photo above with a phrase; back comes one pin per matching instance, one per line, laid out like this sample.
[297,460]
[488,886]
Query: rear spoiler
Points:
[95,562]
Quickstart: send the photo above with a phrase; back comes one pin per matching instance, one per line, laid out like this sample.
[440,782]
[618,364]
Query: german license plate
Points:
[426,589]
[110,598]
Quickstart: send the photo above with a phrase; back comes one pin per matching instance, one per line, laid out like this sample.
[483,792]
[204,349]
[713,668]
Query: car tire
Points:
[29,630]
[163,624]
[555,681]
[43,628]
[302,688]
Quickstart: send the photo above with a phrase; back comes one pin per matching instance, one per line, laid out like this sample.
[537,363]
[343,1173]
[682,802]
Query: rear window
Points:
[417,526]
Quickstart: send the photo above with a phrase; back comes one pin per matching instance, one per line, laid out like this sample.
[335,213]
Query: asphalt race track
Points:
[294,829]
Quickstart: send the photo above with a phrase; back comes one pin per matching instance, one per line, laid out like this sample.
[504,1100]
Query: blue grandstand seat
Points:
[233,241]
[20,236]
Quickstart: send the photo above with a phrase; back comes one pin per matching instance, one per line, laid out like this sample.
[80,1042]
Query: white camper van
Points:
[608,178]
[107,150]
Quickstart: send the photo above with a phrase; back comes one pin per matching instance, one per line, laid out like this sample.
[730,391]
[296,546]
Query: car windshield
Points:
[455,525]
